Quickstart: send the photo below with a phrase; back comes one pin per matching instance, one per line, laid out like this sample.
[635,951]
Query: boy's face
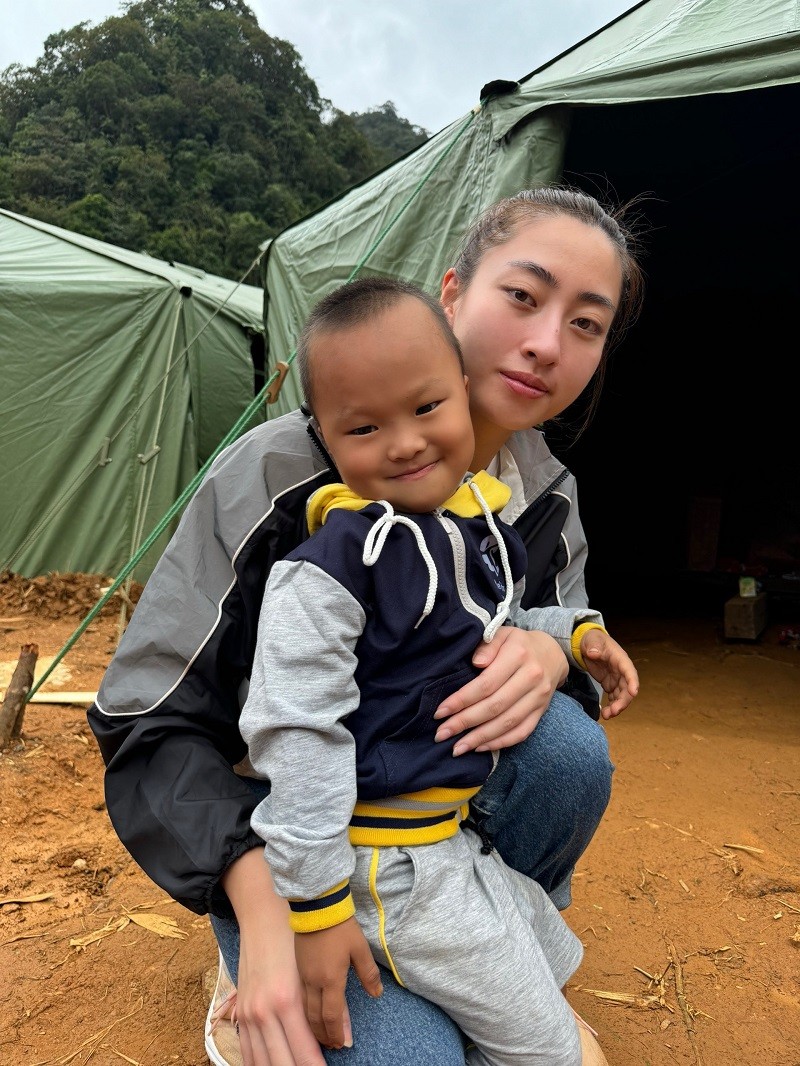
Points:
[392,404]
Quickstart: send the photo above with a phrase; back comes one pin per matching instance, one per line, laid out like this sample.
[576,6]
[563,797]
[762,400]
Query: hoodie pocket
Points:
[413,760]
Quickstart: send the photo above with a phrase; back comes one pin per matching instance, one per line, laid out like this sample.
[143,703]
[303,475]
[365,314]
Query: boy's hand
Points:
[323,959]
[610,665]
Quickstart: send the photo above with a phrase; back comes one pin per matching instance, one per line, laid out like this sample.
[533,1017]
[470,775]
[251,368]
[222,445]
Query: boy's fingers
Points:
[313,999]
[348,1028]
[367,971]
[333,1008]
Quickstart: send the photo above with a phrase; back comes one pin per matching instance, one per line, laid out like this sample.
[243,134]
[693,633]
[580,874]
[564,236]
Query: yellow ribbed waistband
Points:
[414,818]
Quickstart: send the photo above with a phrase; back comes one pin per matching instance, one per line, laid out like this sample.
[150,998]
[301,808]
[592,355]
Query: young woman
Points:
[543,283]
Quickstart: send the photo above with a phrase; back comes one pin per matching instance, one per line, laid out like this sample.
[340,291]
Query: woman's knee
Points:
[399,1029]
[565,758]
[563,773]
[573,751]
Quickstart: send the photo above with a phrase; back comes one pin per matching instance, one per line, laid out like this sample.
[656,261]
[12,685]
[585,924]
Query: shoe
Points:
[221,1031]
[591,1052]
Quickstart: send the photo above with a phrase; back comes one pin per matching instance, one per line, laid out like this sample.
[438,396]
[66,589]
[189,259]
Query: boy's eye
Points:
[361,431]
[428,407]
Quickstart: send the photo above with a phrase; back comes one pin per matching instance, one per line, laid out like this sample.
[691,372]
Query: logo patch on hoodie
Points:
[490,553]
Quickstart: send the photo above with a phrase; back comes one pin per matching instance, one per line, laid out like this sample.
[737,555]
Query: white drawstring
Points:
[502,610]
[376,538]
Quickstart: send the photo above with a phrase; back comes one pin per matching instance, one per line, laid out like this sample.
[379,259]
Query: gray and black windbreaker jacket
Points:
[167,712]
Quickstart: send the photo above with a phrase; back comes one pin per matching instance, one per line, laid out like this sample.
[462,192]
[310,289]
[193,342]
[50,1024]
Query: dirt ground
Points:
[688,900]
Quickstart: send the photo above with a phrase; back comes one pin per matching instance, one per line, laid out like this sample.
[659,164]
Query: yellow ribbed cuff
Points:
[577,636]
[309,916]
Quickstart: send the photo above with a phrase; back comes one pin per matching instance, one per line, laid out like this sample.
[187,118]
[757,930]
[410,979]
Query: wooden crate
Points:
[745,617]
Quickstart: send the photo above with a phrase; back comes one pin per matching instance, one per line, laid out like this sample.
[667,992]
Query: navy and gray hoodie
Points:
[367,628]
[167,714]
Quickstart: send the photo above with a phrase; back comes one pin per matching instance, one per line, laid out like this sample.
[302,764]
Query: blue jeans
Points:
[541,807]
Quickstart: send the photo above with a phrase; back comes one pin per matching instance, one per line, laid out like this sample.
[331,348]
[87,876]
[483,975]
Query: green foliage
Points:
[390,135]
[182,129]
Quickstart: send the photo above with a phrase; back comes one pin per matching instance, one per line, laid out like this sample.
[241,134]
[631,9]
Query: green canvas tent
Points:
[694,103]
[120,375]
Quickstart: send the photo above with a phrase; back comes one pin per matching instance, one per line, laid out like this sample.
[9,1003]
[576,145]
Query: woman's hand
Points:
[520,671]
[273,1030]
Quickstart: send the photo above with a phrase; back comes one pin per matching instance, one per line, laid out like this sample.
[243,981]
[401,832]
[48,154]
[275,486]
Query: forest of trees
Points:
[180,128]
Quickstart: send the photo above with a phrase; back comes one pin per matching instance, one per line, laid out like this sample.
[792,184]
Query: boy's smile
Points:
[392,404]
[415,474]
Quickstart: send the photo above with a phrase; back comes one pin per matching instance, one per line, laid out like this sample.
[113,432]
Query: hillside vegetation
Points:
[182,129]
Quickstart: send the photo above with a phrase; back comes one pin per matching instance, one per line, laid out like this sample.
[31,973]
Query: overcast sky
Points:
[429,57]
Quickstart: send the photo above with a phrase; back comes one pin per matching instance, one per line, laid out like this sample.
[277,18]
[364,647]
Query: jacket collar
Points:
[462,503]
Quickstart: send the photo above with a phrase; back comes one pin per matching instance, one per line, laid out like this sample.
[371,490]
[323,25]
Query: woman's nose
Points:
[544,343]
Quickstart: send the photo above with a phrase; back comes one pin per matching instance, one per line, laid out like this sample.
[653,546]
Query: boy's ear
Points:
[317,427]
[466,384]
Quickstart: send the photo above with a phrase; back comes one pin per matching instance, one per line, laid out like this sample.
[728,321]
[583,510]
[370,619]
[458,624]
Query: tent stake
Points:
[13,709]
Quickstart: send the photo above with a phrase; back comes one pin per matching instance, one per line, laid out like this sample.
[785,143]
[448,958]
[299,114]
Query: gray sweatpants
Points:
[477,938]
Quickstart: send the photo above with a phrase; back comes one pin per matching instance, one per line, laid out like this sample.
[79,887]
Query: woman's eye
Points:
[588,325]
[521,296]
[361,431]
[428,407]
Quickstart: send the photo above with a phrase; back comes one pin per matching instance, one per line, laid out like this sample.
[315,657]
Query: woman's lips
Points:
[416,474]
[524,384]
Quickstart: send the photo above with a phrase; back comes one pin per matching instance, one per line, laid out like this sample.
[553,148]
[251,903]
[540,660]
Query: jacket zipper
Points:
[551,488]
[320,447]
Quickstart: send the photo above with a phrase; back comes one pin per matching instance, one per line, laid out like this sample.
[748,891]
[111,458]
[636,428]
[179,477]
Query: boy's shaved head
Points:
[357,302]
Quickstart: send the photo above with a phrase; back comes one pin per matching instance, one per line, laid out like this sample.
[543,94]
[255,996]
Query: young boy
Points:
[372,623]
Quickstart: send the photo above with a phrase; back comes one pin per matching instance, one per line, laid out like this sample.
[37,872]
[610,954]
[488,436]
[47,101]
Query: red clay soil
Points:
[688,900]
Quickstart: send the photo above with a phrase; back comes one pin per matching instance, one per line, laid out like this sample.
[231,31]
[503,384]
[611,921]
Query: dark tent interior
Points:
[688,472]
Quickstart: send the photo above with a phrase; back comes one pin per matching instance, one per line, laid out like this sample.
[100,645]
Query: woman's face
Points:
[533,322]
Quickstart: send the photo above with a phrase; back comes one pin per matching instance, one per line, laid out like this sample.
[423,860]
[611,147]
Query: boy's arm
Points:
[303,685]
[581,635]
[323,959]
[577,630]
[609,664]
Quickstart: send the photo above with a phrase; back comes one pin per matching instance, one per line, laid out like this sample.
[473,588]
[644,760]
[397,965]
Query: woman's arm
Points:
[522,669]
[175,802]
[273,1030]
[166,718]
